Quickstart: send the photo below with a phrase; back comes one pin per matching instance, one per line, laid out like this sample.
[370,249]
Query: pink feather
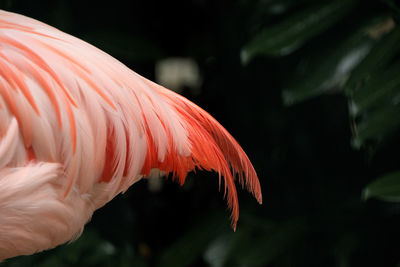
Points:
[77,128]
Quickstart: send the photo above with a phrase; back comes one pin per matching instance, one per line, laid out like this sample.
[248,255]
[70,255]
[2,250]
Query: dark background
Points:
[312,177]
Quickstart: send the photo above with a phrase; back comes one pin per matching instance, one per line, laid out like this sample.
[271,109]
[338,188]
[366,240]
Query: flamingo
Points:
[77,127]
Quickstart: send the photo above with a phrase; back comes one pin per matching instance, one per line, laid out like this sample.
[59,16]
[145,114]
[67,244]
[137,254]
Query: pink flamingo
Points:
[77,127]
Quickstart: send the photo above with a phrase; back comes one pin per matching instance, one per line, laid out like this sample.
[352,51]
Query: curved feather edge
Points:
[213,148]
[134,111]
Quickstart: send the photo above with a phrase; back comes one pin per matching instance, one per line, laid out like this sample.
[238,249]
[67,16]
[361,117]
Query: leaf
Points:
[287,36]
[267,246]
[318,76]
[344,248]
[374,88]
[380,55]
[385,188]
[382,89]
[377,125]
[192,244]
[254,244]
[220,250]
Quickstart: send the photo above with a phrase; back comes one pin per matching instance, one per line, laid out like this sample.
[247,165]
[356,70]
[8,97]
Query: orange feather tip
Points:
[212,148]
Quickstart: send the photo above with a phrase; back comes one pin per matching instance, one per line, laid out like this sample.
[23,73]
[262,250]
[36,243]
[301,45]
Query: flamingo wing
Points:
[65,102]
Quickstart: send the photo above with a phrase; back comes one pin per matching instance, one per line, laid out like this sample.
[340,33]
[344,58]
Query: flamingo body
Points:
[77,127]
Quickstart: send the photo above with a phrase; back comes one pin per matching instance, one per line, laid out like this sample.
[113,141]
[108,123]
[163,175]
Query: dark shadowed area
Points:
[310,89]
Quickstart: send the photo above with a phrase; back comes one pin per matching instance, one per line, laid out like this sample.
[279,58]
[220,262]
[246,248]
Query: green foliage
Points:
[386,188]
[294,31]
[220,246]
[187,249]
[363,63]
[268,242]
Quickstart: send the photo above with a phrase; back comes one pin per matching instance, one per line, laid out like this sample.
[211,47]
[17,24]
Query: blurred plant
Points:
[362,63]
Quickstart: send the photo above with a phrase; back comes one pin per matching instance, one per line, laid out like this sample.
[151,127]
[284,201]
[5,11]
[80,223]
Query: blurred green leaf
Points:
[385,188]
[290,34]
[382,89]
[266,246]
[343,249]
[373,88]
[376,125]
[220,250]
[320,76]
[123,45]
[192,244]
[263,9]
[254,245]
[380,55]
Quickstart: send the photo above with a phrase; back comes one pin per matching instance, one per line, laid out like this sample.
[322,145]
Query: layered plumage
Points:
[77,127]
